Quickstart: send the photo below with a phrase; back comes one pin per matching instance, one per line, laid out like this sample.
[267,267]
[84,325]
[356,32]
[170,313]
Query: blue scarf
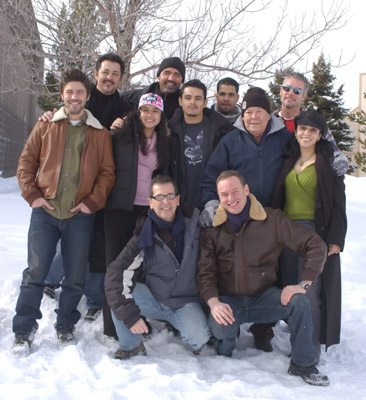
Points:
[145,241]
[236,221]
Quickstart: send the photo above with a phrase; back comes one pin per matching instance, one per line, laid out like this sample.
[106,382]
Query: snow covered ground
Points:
[170,371]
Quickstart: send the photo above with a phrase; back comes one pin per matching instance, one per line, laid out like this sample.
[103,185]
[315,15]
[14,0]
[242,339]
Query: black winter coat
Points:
[214,124]
[125,155]
[331,225]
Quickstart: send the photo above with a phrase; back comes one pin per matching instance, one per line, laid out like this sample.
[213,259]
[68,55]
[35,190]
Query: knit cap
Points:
[256,97]
[173,62]
[152,99]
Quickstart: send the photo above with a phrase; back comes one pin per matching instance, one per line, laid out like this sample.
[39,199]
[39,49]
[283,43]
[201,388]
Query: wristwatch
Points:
[304,285]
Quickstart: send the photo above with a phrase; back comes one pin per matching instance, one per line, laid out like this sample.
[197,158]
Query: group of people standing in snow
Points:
[157,207]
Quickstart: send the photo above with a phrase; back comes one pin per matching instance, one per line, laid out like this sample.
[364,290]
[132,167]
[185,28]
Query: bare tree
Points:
[211,37]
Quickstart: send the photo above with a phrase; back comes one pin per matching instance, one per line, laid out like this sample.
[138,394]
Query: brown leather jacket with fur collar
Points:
[40,162]
[245,263]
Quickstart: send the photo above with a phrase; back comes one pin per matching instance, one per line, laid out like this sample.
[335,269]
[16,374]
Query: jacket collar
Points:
[90,119]
[276,124]
[256,212]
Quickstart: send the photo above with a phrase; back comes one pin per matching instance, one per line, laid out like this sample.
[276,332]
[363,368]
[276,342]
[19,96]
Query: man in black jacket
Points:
[195,131]
[165,249]
[171,74]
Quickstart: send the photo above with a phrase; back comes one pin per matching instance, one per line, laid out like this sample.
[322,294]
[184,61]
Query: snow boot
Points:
[310,375]
[121,354]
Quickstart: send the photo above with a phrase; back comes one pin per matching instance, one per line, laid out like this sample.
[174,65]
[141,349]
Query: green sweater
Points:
[69,177]
[300,192]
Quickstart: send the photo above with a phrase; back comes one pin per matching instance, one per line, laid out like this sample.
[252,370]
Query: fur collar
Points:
[256,212]
[90,119]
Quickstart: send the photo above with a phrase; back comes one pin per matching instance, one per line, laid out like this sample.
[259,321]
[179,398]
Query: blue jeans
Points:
[291,270]
[266,307]
[94,282]
[44,233]
[190,320]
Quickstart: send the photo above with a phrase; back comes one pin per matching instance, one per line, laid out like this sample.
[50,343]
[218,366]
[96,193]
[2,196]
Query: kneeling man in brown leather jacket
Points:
[237,273]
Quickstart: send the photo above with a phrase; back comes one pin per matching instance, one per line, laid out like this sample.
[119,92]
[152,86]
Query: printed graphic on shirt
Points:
[193,150]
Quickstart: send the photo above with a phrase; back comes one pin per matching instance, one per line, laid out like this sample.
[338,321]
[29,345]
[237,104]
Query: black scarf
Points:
[145,241]
[105,108]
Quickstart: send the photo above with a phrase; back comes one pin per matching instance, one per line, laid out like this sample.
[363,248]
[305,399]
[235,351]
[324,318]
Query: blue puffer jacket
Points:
[259,163]
[172,283]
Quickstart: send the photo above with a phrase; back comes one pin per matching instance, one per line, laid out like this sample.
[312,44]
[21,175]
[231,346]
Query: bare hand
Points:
[139,327]
[333,249]
[82,207]
[289,291]
[117,123]
[41,202]
[222,312]
[47,116]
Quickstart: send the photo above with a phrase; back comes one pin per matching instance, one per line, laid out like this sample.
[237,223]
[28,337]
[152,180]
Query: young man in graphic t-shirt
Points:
[195,132]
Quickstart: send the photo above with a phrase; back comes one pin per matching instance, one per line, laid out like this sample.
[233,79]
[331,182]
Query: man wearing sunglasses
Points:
[293,92]
[164,250]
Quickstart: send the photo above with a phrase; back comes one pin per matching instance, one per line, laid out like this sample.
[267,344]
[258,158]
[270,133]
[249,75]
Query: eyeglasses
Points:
[160,197]
[287,88]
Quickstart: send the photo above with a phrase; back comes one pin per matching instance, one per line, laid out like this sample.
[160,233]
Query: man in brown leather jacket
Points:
[65,172]
[237,273]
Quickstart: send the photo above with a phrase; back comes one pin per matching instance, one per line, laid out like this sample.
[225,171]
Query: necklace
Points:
[302,162]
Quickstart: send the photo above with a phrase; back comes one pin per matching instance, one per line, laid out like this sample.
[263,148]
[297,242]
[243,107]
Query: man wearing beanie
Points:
[255,149]
[171,74]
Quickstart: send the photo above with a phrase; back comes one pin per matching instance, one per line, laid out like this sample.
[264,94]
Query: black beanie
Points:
[311,118]
[173,62]
[256,97]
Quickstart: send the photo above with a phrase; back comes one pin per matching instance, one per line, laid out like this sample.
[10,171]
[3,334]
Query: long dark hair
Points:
[132,127]
[323,147]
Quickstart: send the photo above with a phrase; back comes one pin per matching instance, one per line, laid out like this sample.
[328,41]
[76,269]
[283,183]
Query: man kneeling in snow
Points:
[237,273]
[164,249]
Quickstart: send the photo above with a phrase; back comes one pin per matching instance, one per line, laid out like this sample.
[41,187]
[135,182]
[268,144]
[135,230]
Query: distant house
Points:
[355,128]
[21,72]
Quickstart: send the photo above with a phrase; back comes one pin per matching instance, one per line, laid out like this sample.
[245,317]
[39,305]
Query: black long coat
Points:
[331,225]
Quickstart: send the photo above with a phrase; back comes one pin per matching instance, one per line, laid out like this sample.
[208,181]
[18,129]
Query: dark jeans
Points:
[118,226]
[291,272]
[44,233]
[267,307]
[94,282]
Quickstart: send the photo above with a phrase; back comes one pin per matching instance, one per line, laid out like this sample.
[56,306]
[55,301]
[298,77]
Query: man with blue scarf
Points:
[237,273]
[154,275]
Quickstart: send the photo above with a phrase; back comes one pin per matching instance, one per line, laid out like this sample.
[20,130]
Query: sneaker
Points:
[92,314]
[21,346]
[50,291]
[121,354]
[64,339]
[263,343]
[310,375]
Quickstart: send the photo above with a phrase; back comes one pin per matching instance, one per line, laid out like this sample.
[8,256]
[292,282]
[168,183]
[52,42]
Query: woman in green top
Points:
[311,194]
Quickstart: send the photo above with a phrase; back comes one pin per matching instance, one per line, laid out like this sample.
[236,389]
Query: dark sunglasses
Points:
[288,88]
[160,197]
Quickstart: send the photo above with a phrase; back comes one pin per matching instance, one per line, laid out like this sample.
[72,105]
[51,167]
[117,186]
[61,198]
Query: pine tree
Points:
[360,118]
[82,31]
[52,99]
[327,100]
